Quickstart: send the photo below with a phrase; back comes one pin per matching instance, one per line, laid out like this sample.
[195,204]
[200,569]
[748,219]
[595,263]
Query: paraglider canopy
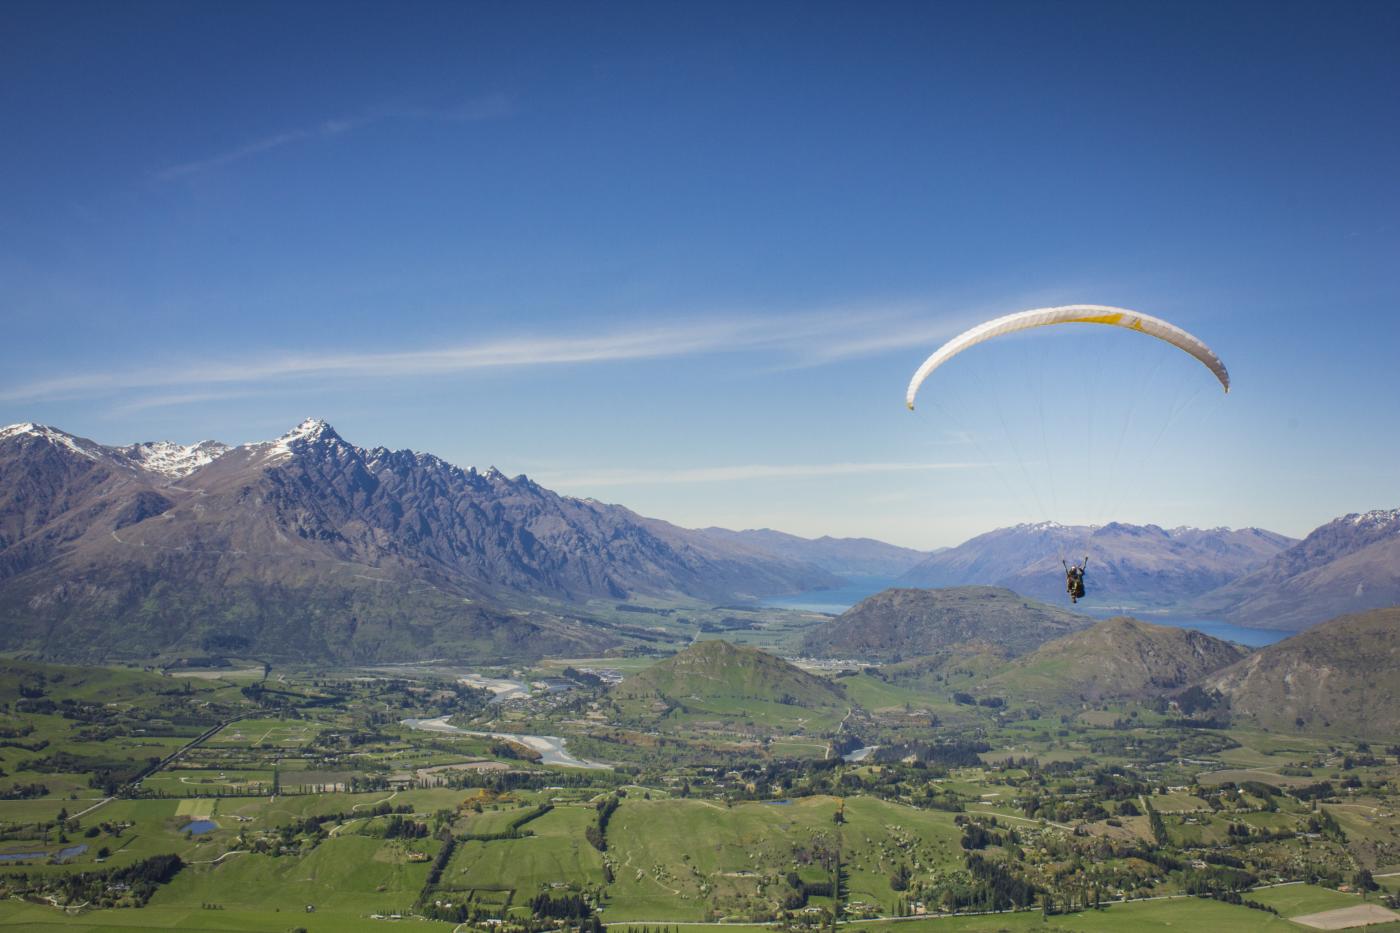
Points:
[1071,314]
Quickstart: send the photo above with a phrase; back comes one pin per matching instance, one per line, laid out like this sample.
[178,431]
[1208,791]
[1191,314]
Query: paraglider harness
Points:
[1074,579]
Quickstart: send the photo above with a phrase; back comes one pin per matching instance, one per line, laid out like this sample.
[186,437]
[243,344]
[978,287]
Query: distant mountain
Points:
[1341,677]
[308,546]
[1348,565]
[1129,565]
[850,556]
[906,623]
[1119,658]
[720,678]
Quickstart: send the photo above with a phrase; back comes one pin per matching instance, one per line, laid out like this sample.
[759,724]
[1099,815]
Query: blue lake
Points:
[834,601]
[853,589]
[199,827]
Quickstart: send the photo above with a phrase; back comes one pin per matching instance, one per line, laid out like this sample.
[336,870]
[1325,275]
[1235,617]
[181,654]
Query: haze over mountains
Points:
[1129,565]
[309,546]
[855,556]
[1348,565]
[1248,576]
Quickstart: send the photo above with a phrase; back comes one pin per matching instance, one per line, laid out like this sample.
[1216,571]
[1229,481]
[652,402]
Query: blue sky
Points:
[686,256]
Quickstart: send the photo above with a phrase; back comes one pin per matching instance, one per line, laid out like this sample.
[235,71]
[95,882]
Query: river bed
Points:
[550,747]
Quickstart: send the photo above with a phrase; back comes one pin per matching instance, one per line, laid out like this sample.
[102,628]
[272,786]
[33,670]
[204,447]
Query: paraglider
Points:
[1074,579]
[1071,314]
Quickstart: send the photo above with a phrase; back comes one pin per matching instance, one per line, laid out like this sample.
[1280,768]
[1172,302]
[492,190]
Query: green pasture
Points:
[1176,914]
[192,782]
[344,874]
[873,693]
[555,852]
[265,733]
[1295,900]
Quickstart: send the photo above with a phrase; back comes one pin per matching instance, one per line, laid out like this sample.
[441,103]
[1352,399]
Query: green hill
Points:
[717,680]
[906,623]
[1116,658]
[1341,677]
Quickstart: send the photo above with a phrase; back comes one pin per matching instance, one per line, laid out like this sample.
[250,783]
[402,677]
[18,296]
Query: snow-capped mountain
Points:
[1129,565]
[1348,565]
[309,545]
[174,460]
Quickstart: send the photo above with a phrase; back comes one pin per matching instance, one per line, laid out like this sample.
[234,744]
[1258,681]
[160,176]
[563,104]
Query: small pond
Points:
[199,827]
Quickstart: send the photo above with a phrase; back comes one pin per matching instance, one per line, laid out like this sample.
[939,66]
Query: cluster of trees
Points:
[399,827]
[1217,879]
[439,865]
[107,774]
[565,907]
[597,831]
[976,836]
[131,886]
[992,887]
[956,754]
[24,791]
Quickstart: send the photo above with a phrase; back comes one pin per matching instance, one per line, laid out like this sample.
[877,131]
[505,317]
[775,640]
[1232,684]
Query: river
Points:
[550,747]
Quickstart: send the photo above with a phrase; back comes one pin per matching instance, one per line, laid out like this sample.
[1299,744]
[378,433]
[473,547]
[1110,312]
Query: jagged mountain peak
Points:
[1376,518]
[290,526]
[309,431]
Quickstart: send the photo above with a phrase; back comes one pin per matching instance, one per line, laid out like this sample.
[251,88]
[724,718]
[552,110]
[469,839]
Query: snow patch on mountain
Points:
[174,460]
[1376,518]
[308,432]
[53,436]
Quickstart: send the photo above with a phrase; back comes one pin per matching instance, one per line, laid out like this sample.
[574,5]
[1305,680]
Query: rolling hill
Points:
[718,680]
[1342,676]
[906,623]
[1118,658]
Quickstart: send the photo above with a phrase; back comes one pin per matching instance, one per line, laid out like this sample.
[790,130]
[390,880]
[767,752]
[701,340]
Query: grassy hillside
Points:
[717,680]
[906,623]
[1117,658]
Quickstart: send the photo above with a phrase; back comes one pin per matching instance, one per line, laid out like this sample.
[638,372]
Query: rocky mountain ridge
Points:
[151,542]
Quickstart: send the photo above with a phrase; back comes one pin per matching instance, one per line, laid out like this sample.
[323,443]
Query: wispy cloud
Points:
[736,473]
[808,338]
[148,402]
[484,108]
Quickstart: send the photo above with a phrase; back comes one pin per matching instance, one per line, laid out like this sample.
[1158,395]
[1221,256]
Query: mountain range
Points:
[1142,566]
[308,546]
[1348,565]
[1247,576]
[846,556]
